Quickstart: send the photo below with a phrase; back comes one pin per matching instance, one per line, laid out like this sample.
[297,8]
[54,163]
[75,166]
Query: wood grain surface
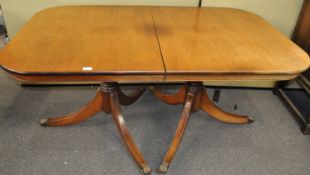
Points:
[127,43]
[224,41]
[98,39]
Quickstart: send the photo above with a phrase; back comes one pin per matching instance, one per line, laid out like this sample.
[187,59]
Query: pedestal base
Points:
[107,99]
[194,97]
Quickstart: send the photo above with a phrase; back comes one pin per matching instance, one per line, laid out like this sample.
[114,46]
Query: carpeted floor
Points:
[273,145]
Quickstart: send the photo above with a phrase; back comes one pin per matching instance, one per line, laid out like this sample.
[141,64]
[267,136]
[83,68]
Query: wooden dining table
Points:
[135,44]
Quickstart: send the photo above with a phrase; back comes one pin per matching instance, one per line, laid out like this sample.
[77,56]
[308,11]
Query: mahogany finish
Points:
[174,99]
[194,97]
[128,100]
[102,40]
[149,44]
[125,43]
[224,41]
[107,99]
[93,107]
[144,78]
[179,132]
[301,34]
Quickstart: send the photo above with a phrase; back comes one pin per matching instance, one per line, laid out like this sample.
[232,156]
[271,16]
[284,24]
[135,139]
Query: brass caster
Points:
[251,120]
[43,121]
[146,169]
[163,168]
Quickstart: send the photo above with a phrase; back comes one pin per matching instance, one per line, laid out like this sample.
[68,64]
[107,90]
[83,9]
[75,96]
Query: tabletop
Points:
[118,43]
[101,40]
[224,41]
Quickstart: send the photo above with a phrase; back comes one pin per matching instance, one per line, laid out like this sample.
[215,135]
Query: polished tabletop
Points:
[118,43]
[224,41]
[86,39]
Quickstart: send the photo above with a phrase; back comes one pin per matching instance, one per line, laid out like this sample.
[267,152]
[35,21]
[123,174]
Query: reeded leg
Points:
[196,99]
[179,132]
[173,99]
[125,135]
[221,115]
[107,100]
[84,113]
[129,99]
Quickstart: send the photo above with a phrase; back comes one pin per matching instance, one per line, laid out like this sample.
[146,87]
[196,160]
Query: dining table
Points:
[112,45]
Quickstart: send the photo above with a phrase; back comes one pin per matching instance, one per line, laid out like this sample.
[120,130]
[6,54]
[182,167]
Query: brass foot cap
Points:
[251,120]
[43,122]
[146,169]
[163,168]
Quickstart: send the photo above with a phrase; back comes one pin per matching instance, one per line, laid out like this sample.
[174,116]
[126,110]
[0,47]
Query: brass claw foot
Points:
[43,122]
[163,168]
[146,169]
[251,120]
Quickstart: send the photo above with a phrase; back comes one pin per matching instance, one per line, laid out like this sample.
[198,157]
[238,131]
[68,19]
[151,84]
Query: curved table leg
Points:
[179,132]
[107,100]
[82,114]
[173,99]
[125,135]
[221,115]
[129,99]
[196,99]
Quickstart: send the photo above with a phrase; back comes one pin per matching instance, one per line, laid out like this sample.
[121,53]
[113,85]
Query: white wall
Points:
[17,12]
[282,14]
